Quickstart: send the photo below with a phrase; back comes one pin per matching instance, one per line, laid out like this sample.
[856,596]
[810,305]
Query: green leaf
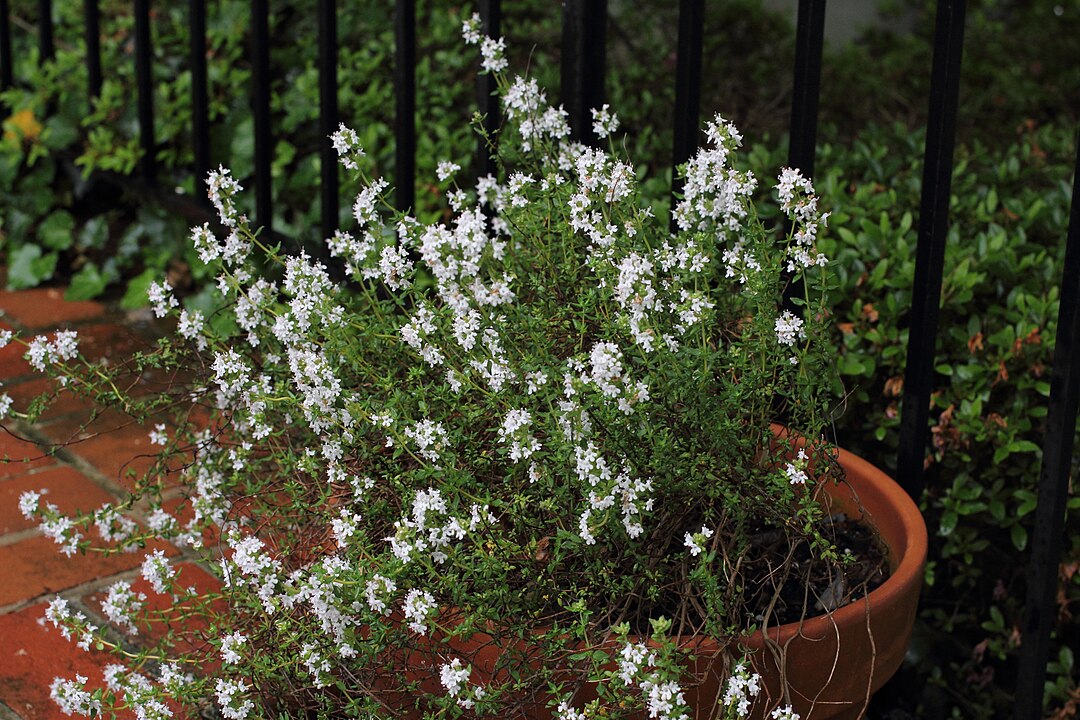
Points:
[86,284]
[59,133]
[850,365]
[28,267]
[948,523]
[1023,446]
[1066,659]
[94,233]
[1028,502]
[905,223]
[135,295]
[57,230]
[1019,536]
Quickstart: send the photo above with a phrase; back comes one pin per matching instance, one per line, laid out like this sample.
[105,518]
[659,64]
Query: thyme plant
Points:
[519,460]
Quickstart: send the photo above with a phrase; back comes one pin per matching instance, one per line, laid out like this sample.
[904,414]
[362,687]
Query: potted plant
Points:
[523,465]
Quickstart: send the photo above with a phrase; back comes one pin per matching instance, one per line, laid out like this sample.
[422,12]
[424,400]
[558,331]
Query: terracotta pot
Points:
[831,663]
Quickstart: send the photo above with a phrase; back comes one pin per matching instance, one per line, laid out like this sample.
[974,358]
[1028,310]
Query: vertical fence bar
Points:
[487,103]
[809,40]
[200,96]
[7,72]
[930,253]
[1058,444]
[144,80]
[260,76]
[806,92]
[46,48]
[328,115]
[405,103]
[687,92]
[92,21]
[583,64]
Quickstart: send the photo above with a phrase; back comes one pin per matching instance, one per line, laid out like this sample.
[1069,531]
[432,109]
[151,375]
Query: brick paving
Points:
[94,466]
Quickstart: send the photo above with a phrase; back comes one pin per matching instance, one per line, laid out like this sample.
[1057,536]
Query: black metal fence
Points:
[582,76]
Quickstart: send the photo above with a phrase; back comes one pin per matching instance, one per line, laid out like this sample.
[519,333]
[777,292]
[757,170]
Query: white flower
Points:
[344,527]
[204,242]
[796,475]
[61,529]
[347,144]
[743,686]
[789,328]
[446,170]
[156,571]
[418,605]
[377,589]
[364,209]
[454,677]
[114,676]
[161,298]
[785,713]
[395,267]
[470,29]
[693,542]
[231,705]
[516,188]
[5,405]
[605,122]
[494,55]
[73,697]
[173,678]
[158,435]
[5,338]
[317,665]
[796,471]
[40,352]
[121,605]
[222,188]
[161,522]
[430,438]
[191,326]
[28,503]
[514,431]
[566,711]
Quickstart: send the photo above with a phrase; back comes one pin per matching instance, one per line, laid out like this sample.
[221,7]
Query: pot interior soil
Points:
[788,583]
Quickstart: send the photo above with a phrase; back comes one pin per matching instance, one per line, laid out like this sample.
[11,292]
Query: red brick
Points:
[18,456]
[68,489]
[119,453]
[12,364]
[65,401]
[35,567]
[46,308]
[31,655]
[110,342]
[109,441]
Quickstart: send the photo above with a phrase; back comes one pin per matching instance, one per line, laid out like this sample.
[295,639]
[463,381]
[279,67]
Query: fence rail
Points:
[583,71]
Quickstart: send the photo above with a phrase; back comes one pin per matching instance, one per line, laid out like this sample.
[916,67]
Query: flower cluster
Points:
[662,697]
